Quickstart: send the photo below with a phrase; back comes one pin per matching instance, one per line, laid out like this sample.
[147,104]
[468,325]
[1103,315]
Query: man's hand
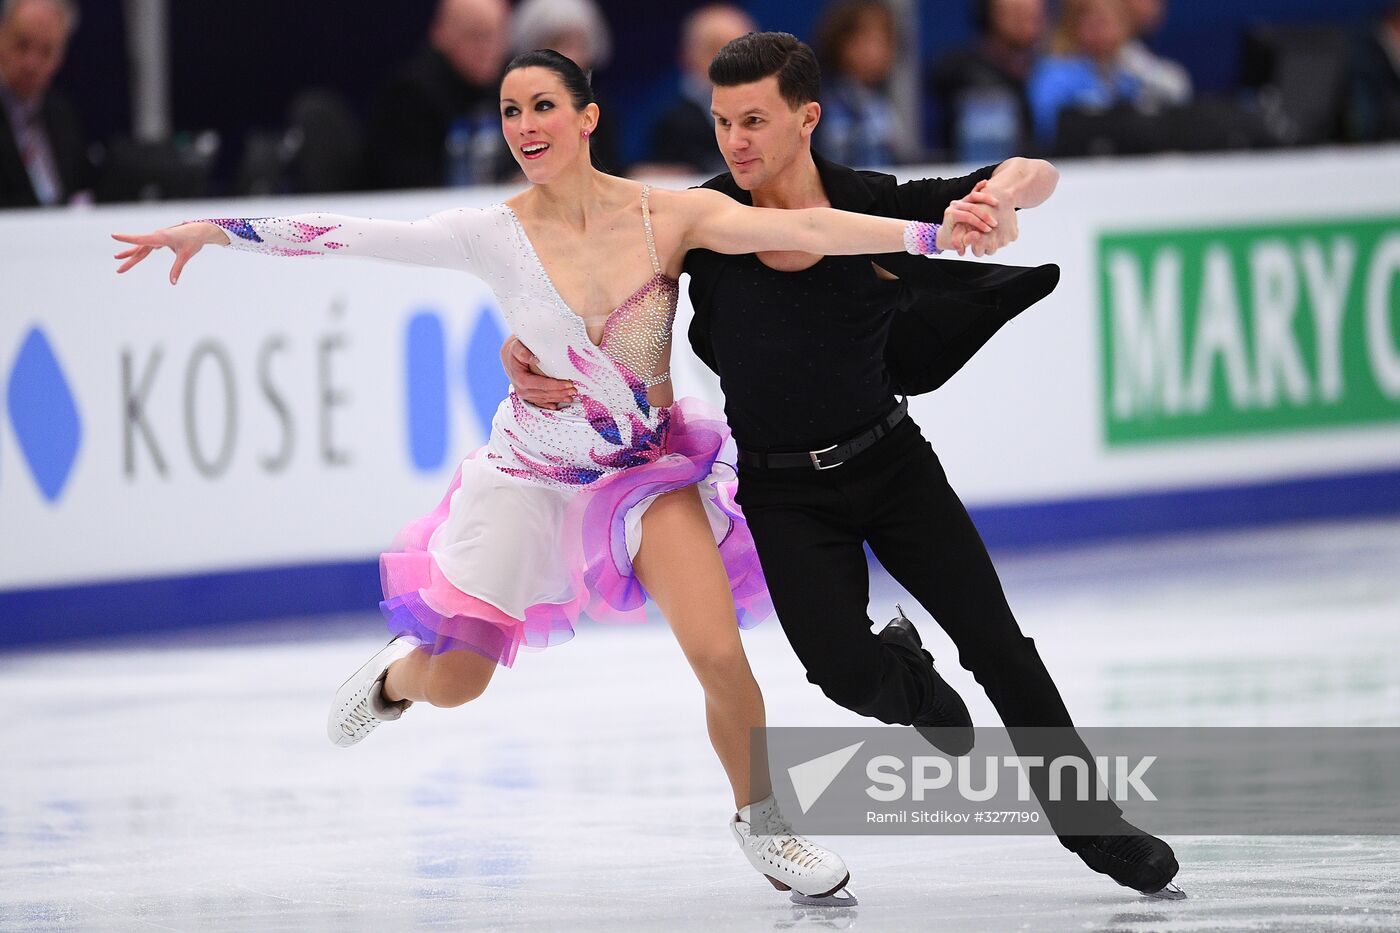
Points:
[1006,229]
[1016,183]
[530,384]
[983,212]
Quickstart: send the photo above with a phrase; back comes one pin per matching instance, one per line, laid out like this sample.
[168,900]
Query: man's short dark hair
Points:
[759,55]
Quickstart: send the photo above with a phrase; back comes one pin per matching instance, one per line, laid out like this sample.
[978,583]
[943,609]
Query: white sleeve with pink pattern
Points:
[449,239]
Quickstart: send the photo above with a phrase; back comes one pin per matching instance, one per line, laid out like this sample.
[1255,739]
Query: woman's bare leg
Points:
[680,567]
[448,679]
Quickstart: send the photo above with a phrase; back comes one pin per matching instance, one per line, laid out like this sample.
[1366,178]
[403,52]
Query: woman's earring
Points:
[585,134]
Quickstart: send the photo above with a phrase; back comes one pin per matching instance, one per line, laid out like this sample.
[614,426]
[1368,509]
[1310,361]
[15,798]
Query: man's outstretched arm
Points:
[532,387]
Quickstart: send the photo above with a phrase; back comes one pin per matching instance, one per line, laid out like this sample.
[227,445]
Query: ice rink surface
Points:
[186,783]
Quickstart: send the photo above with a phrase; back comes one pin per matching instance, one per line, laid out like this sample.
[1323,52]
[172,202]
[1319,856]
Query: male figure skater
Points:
[812,353]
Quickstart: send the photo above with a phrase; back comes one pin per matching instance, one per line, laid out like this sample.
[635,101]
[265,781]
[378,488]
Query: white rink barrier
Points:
[1223,348]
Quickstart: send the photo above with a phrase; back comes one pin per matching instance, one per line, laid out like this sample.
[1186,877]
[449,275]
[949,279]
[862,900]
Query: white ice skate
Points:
[360,705]
[816,876]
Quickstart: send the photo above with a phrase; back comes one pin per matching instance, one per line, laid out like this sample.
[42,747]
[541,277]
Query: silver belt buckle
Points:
[816,462]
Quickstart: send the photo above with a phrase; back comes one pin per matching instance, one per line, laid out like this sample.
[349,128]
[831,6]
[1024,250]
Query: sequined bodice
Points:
[637,333]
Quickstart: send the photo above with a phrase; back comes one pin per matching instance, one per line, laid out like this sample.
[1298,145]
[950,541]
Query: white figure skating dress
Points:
[541,524]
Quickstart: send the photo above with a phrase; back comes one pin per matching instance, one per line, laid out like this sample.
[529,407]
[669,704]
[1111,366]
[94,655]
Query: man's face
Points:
[759,133]
[32,43]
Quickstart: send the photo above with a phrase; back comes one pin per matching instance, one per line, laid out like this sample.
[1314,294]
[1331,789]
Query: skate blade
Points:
[842,898]
[1170,893]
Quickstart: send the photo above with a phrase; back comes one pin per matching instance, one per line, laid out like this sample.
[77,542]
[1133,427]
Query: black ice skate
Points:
[1135,860]
[945,723]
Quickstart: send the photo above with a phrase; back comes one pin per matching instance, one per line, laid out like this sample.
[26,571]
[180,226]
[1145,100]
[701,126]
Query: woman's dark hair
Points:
[758,55]
[575,81]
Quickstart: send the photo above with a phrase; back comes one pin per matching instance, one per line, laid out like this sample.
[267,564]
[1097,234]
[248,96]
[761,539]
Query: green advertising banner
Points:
[1210,332]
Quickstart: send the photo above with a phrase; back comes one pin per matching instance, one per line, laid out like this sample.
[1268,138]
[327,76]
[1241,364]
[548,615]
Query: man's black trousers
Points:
[810,527]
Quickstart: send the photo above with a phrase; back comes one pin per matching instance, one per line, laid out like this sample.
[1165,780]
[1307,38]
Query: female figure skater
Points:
[592,507]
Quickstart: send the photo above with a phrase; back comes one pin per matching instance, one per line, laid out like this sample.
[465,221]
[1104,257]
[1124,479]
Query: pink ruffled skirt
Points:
[505,562]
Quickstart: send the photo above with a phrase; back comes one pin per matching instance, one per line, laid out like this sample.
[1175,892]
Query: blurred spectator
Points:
[987,116]
[1085,69]
[438,122]
[683,138]
[575,29]
[857,42]
[43,153]
[1374,81]
[1164,83]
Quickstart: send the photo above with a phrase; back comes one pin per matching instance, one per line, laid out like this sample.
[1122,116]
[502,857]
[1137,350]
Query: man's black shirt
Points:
[802,356]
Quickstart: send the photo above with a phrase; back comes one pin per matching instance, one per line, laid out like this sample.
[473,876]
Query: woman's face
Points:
[540,124]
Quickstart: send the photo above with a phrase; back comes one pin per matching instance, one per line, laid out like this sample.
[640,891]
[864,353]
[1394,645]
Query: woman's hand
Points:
[958,238]
[981,222]
[184,240]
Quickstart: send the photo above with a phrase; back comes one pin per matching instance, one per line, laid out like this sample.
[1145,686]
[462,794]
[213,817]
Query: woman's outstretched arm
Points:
[444,239]
[714,221]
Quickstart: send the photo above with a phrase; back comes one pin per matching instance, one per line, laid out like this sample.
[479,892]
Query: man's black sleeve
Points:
[928,198]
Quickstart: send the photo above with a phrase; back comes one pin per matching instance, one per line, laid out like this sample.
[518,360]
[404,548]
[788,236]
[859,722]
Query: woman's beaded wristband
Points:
[921,239]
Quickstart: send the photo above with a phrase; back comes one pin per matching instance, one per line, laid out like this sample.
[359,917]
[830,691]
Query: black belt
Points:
[827,457]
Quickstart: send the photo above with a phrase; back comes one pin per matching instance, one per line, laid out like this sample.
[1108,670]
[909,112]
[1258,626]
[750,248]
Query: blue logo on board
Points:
[428,374]
[44,414]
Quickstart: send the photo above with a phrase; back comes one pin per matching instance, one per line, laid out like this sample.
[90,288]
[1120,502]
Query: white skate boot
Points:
[360,705]
[791,862]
